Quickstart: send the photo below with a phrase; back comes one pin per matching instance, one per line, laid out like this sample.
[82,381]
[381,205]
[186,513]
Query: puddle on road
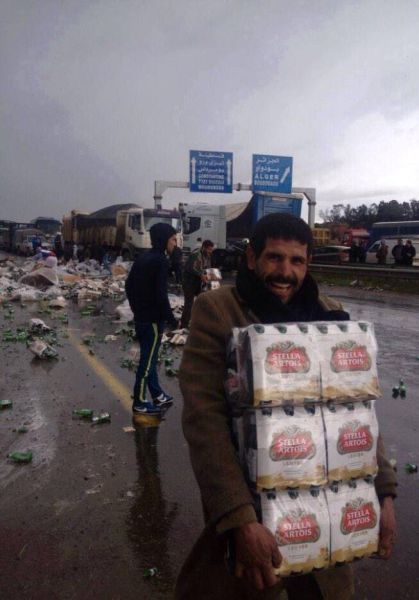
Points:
[41,439]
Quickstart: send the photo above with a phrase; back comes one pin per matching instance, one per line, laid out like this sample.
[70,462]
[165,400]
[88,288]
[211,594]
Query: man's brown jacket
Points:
[226,499]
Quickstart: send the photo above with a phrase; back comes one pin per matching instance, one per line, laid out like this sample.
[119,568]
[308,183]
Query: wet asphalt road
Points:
[98,505]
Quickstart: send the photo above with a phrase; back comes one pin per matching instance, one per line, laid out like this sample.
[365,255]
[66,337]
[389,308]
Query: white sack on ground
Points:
[124,312]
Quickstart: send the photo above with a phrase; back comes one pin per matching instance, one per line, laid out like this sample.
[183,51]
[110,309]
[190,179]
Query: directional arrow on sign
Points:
[229,165]
[193,170]
[285,174]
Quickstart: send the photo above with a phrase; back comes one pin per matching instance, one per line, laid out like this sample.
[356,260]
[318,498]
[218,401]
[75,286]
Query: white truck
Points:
[229,226]
[124,228]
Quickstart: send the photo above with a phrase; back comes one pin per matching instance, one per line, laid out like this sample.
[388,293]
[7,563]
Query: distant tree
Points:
[364,216]
[333,215]
[414,210]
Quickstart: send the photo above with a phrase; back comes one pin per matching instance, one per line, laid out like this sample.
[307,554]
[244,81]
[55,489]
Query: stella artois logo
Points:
[292,443]
[286,357]
[354,437]
[357,516]
[350,356]
[297,527]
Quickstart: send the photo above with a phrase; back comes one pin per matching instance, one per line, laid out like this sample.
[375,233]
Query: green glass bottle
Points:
[104,417]
[150,572]
[83,413]
[411,468]
[5,404]
[20,457]
[402,389]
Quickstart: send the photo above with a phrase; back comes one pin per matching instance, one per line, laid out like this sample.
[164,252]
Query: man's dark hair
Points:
[207,244]
[280,225]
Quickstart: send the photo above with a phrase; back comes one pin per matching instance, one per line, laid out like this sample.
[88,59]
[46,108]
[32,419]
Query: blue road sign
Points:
[210,171]
[272,173]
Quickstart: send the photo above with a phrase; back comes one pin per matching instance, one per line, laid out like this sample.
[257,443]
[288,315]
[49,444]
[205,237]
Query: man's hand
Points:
[256,555]
[387,528]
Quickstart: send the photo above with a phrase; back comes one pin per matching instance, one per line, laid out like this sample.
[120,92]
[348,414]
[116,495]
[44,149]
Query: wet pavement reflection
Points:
[151,516]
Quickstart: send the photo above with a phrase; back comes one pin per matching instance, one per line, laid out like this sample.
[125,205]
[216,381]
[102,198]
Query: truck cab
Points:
[133,228]
[202,222]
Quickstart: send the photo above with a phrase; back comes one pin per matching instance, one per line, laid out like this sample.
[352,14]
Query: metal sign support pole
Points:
[309,193]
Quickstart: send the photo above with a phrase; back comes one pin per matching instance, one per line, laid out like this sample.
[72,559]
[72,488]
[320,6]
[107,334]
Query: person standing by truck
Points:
[146,288]
[397,252]
[382,252]
[194,276]
[408,254]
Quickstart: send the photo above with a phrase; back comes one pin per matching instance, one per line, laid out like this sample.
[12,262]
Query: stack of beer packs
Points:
[213,279]
[303,405]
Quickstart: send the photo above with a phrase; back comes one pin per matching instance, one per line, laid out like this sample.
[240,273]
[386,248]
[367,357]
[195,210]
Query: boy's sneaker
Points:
[147,408]
[163,399]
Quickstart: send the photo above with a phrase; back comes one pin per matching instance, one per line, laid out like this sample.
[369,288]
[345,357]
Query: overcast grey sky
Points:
[100,98]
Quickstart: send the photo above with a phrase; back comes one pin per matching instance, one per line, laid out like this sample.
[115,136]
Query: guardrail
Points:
[364,271]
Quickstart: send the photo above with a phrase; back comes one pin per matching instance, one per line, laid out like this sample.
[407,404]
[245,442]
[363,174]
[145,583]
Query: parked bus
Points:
[403,229]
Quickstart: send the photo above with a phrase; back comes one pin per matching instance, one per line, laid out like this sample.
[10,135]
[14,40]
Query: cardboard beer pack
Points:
[347,351]
[285,447]
[301,527]
[278,364]
[306,362]
[213,274]
[355,517]
[351,433]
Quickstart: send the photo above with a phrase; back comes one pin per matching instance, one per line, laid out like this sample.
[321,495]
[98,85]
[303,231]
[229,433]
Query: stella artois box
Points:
[301,526]
[213,274]
[348,351]
[211,285]
[351,432]
[288,448]
[355,517]
[278,364]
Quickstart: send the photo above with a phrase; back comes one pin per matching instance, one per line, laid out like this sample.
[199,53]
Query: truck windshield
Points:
[149,221]
[135,222]
[192,224]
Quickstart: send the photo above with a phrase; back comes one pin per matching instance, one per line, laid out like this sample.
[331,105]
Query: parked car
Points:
[335,255]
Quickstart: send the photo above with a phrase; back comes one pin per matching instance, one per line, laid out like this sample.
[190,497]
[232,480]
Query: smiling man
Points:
[273,287]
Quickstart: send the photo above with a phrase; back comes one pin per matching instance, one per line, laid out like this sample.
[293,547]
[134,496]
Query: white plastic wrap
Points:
[348,351]
[288,448]
[355,516]
[278,364]
[351,433]
[301,528]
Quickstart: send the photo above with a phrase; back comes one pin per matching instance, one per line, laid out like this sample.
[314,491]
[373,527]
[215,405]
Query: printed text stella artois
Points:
[357,516]
[297,528]
[291,444]
[354,437]
[350,356]
[285,357]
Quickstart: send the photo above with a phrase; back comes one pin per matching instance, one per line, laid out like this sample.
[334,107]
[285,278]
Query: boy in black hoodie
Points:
[146,288]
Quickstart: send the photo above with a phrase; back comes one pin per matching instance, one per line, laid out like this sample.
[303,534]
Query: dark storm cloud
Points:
[99,99]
